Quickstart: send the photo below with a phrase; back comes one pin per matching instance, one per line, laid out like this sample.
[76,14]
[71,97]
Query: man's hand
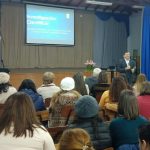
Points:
[128,68]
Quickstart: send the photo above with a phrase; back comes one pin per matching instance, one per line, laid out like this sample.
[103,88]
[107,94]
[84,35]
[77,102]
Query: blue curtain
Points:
[118,17]
[145,53]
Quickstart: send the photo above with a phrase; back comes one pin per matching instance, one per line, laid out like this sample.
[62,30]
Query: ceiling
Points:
[123,6]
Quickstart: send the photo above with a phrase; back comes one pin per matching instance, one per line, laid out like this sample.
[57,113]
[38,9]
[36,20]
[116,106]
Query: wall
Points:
[18,55]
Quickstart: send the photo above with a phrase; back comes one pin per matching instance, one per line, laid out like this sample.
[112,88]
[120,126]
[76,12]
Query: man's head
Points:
[126,55]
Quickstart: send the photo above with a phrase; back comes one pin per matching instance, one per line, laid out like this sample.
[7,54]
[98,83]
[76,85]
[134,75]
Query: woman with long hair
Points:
[110,97]
[76,138]
[124,129]
[19,126]
[80,85]
[138,84]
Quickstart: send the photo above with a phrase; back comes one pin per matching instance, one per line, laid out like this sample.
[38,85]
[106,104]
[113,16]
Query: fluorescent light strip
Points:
[99,3]
[138,6]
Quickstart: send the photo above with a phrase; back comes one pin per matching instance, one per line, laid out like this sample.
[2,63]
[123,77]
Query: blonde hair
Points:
[76,138]
[48,77]
[140,79]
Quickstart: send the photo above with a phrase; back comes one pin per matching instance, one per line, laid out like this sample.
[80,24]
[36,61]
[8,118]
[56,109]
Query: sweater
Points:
[125,131]
[41,140]
[47,91]
[144,105]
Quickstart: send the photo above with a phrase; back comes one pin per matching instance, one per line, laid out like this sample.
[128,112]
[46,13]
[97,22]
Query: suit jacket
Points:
[122,65]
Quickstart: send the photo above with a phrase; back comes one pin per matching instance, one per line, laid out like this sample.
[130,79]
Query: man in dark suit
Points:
[127,66]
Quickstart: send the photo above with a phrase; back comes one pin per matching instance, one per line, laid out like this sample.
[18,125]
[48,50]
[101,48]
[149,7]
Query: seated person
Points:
[144,136]
[20,128]
[101,86]
[80,85]
[124,129]
[109,98]
[87,118]
[28,86]
[5,87]
[64,98]
[144,100]
[48,88]
[70,140]
[90,81]
[138,84]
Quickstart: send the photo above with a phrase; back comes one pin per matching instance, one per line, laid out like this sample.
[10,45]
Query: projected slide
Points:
[49,25]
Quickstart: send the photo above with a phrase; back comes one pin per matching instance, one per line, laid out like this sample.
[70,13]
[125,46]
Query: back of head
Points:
[27,84]
[96,72]
[144,135]
[145,88]
[128,106]
[48,77]
[103,78]
[67,84]
[86,107]
[75,139]
[79,83]
[20,112]
[141,78]
[118,84]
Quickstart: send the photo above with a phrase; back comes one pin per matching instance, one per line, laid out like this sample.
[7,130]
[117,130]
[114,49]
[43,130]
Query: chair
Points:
[61,115]
[47,102]
[98,89]
[56,132]
[43,117]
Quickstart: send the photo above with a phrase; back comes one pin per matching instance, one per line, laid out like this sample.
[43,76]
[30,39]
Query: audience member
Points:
[48,88]
[28,86]
[80,85]
[75,139]
[137,86]
[90,81]
[87,117]
[110,97]
[124,129]
[144,100]
[101,85]
[19,127]
[5,88]
[144,136]
[126,81]
[66,97]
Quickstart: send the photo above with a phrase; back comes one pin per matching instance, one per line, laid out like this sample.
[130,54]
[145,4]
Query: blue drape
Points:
[118,17]
[145,53]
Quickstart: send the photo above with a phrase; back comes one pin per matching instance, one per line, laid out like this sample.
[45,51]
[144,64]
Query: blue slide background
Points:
[49,25]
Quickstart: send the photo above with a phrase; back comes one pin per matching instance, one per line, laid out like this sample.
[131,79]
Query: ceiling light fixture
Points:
[98,3]
[137,6]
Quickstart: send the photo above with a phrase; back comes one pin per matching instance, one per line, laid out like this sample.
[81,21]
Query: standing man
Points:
[127,66]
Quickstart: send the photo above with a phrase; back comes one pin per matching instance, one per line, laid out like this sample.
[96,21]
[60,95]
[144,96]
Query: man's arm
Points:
[121,66]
